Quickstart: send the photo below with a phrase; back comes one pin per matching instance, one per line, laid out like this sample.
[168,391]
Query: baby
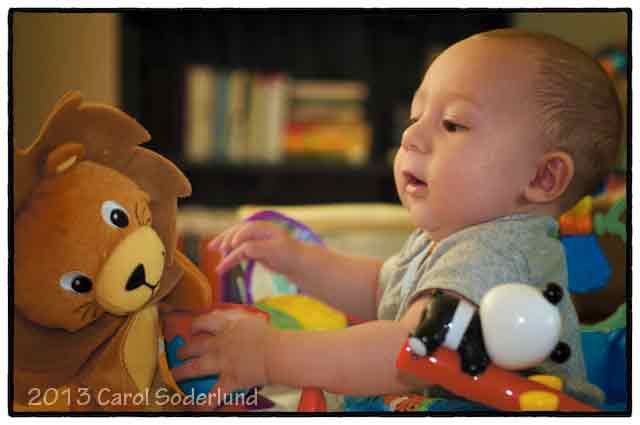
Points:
[507,130]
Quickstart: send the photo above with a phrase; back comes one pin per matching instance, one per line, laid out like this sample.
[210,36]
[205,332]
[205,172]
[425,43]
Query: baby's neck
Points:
[539,210]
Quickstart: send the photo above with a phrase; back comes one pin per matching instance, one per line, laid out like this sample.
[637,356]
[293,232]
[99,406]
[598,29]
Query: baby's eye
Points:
[452,127]
[411,121]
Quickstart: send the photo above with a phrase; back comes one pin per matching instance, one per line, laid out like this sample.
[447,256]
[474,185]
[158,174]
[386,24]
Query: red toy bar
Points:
[312,400]
[495,387]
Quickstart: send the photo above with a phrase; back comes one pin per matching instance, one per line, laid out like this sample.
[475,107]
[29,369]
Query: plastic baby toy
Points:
[515,327]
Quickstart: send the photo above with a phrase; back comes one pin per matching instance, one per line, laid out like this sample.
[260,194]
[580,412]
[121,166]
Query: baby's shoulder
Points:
[520,235]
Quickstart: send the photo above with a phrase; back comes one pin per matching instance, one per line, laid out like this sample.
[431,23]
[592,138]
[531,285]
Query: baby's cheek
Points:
[397,166]
[397,163]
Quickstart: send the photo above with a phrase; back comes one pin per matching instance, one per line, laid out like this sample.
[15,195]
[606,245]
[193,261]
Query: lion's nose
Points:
[137,278]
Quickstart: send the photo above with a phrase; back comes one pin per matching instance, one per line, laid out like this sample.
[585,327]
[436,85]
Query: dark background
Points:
[386,49]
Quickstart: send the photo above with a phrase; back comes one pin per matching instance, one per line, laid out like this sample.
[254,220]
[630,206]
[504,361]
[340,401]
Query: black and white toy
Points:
[515,327]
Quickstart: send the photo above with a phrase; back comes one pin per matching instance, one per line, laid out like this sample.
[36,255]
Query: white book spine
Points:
[275,115]
[200,105]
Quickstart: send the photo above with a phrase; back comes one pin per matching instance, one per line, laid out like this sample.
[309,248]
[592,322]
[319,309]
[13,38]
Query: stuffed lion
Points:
[94,255]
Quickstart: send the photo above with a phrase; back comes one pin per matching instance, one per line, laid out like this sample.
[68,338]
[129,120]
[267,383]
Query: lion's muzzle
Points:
[131,273]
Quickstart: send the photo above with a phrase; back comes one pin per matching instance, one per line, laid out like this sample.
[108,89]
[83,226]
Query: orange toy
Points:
[495,387]
[578,220]
[576,225]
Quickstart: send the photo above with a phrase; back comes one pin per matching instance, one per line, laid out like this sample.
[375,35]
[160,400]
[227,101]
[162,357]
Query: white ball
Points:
[520,327]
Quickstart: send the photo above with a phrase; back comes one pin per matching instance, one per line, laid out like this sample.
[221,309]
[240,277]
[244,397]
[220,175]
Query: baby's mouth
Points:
[413,184]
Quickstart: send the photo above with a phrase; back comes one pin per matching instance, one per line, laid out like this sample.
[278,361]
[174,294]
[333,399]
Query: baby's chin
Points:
[436,228]
[419,218]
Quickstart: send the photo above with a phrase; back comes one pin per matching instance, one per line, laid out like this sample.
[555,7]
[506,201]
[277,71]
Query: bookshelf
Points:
[386,49]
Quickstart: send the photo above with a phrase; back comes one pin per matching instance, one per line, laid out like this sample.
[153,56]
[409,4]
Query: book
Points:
[238,116]
[328,121]
[220,121]
[329,90]
[274,117]
[268,112]
[347,142]
[256,122]
[200,81]
[323,111]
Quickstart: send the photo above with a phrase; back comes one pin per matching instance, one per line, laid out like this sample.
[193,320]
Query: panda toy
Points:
[516,327]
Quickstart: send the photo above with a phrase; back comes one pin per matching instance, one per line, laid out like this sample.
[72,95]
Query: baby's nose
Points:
[410,143]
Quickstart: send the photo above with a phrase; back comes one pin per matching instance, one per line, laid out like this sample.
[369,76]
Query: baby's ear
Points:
[553,175]
[63,158]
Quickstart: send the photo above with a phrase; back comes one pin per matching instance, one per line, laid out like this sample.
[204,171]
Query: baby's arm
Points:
[349,283]
[246,352]
[359,360]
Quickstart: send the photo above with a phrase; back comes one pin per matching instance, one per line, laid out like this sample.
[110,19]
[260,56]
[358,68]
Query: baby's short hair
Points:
[580,112]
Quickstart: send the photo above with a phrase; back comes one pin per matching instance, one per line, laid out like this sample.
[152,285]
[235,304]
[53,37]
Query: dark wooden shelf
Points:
[386,49]
[288,183]
[287,167]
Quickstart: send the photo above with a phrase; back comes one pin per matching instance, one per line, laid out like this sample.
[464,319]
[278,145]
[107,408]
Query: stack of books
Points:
[242,117]
[234,116]
[327,120]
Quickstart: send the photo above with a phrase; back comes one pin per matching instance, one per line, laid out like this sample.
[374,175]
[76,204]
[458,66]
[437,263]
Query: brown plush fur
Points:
[86,156]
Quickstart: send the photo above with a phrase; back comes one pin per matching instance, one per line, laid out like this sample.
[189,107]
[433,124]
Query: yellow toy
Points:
[310,313]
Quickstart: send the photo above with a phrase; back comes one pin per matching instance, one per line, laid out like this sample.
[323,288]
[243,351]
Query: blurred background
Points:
[262,107]
[302,112]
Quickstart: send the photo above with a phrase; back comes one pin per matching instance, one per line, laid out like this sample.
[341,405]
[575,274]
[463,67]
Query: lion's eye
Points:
[114,214]
[76,282]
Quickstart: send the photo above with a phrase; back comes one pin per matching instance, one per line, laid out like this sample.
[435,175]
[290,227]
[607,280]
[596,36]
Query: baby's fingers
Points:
[255,250]
[253,231]
[214,322]
[231,260]
[218,242]
[225,246]
[214,244]
[198,346]
[244,232]
[198,366]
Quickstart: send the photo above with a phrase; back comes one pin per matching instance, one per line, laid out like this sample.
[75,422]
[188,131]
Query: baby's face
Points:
[472,146]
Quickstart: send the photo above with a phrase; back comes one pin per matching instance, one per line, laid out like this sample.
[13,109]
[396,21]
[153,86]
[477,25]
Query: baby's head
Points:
[506,122]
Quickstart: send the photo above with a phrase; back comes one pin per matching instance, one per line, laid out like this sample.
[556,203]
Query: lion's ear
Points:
[63,158]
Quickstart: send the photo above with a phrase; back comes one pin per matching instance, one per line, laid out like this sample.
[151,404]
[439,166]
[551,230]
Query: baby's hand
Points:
[264,242]
[230,343]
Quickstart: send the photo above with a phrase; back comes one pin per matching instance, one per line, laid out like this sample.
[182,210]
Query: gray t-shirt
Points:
[519,248]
